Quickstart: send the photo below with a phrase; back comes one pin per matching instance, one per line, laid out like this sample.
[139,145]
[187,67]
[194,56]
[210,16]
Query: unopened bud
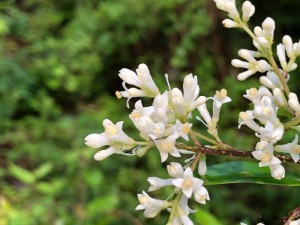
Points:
[277,171]
[263,66]
[265,81]
[268,26]
[294,102]
[281,56]
[202,168]
[228,23]
[288,44]
[248,10]
[278,96]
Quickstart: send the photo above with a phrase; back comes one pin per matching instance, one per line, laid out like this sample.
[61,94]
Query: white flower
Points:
[247,118]
[141,79]
[181,129]
[209,122]
[294,102]
[295,222]
[264,153]
[268,26]
[201,195]
[157,183]
[265,111]
[292,148]
[277,171]
[279,97]
[252,65]
[175,170]
[96,140]
[183,104]
[188,183]
[271,80]
[220,98]
[167,146]
[228,23]
[281,49]
[113,136]
[248,10]
[271,133]
[151,206]
[202,168]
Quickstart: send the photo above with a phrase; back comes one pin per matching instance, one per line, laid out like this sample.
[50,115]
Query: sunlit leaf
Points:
[204,217]
[21,174]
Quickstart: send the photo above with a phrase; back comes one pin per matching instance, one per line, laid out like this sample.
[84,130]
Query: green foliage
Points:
[245,172]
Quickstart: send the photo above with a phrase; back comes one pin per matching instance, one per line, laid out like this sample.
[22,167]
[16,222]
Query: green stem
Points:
[294,122]
[203,137]
[279,74]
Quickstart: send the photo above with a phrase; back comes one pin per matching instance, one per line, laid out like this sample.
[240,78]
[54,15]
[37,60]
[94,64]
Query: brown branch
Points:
[198,150]
[292,216]
[228,152]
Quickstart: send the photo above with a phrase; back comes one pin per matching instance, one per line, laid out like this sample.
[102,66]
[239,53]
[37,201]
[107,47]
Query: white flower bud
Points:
[297,48]
[202,168]
[199,101]
[293,67]
[288,45]
[265,81]
[95,140]
[246,74]
[204,113]
[103,154]
[231,9]
[239,63]
[294,102]
[175,169]
[248,10]
[201,195]
[277,171]
[262,66]
[279,97]
[220,4]
[263,42]
[281,56]
[228,23]
[248,55]
[258,31]
[268,26]
[157,183]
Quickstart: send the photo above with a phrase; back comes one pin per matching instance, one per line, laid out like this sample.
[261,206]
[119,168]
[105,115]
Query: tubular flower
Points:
[113,136]
[141,79]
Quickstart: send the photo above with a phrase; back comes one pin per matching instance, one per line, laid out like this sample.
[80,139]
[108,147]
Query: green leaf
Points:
[204,217]
[245,172]
[102,204]
[43,170]
[21,174]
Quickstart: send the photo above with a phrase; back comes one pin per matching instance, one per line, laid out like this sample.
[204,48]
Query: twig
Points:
[228,152]
[292,216]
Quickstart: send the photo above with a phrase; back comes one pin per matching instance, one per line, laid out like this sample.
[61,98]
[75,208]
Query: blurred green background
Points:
[59,63]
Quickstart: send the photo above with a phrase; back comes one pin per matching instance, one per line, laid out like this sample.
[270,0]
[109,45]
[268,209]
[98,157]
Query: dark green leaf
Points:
[245,172]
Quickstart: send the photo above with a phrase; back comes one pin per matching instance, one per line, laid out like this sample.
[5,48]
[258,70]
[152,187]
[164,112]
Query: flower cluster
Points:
[185,183]
[168,118]
[273,94]
[160,125]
